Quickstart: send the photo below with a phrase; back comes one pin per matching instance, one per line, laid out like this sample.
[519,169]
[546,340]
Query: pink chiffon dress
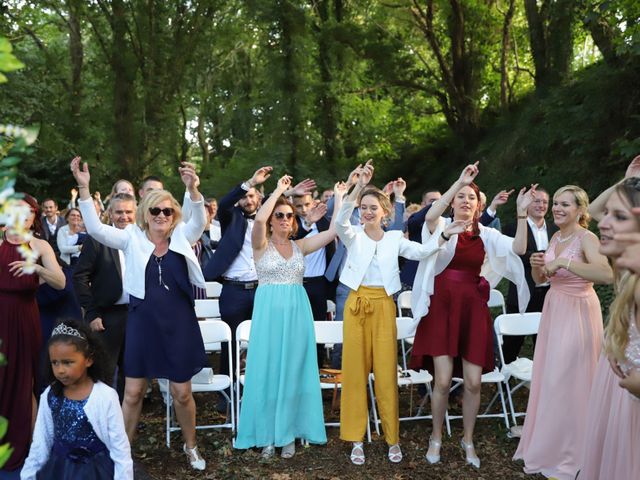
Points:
[612,434]
[564,364]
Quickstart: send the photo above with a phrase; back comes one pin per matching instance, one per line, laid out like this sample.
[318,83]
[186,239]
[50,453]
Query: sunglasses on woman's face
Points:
[155,211]
[281,215]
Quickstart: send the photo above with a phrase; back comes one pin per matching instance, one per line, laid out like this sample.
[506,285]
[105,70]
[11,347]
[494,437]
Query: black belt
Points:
[250,285]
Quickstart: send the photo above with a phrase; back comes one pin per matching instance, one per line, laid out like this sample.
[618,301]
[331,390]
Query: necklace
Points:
[280,243]
[562,240]
[159,263]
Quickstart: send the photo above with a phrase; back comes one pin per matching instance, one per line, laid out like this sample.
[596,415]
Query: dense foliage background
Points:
[538,90]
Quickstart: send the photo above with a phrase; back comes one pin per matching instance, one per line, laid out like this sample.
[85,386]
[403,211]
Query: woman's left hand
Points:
[552,267]
[632,383]
[456,227]
[189,176]
[284,183]
[525,198]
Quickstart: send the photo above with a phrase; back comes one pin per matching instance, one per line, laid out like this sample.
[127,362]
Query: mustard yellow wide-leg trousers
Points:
[369,342]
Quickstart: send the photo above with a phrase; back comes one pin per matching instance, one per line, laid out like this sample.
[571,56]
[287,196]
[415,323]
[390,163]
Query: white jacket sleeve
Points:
[345,230]
[419,251]
[42,441]
[118,443]
[62,239]
[198,220]
[106,234]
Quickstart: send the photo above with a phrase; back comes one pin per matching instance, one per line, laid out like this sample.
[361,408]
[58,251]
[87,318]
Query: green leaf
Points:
[9,63]
[5,453]
[5,46]
[4,424]
[3,78]
[9,161]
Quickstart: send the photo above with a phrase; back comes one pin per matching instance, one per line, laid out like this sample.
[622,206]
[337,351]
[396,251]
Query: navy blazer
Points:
[234,226]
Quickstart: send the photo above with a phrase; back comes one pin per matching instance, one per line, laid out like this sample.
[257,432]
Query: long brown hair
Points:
[36,226]
[475,220]
[282,200]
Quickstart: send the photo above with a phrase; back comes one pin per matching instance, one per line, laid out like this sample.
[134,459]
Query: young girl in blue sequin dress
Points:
[79,430]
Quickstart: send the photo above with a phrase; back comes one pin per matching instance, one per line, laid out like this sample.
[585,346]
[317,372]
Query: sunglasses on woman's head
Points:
[281,215]
[155,211]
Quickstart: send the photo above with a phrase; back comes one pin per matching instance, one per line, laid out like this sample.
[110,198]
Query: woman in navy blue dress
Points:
[163,339]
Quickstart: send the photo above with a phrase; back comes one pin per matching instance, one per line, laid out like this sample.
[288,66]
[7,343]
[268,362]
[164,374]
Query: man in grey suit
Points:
[51,222]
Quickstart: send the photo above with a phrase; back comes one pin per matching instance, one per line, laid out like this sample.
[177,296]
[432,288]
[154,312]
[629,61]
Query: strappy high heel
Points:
[357,453]
[268,452]
[435,444]
[196,461]
[468,447]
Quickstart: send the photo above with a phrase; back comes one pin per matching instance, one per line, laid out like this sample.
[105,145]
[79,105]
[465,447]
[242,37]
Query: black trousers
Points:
[114,320]
[317,289]
[513,343]
[236,306]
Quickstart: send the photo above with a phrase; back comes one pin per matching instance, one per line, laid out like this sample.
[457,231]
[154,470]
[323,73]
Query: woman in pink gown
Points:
[612,433]
[569,341]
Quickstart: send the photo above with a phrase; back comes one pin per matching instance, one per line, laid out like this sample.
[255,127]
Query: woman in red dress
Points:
[455,333]
[20,332]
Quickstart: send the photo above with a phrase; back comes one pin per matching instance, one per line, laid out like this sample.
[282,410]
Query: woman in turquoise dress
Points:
[282,399]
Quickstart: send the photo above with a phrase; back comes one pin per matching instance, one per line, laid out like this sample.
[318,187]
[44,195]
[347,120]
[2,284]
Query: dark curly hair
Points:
[88,345]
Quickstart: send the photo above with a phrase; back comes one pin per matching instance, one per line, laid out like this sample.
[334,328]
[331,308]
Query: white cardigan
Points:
[500,261]
[137,248]
[66,250]
[105,416]
[361,249]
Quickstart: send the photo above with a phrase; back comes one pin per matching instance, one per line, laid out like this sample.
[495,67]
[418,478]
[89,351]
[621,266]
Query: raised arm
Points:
[198,217]
[310,244]
[596,207]
[398,187]
[525,197]
[419,251]
[105,234]
[259,232]
[438,207]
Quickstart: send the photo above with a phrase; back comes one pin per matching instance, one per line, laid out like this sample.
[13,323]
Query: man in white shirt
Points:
[51,222]
[538,234]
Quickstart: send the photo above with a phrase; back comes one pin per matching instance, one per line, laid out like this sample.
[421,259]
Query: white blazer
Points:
[105,416]
[137,248]
[500,261]
[66,250]
[361,249]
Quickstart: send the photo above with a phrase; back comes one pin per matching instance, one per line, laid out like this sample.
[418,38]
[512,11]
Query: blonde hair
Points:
[582,201]
[382,198]
[152,199]
[617,330]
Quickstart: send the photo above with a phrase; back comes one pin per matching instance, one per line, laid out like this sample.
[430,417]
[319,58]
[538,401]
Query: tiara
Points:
[64,329]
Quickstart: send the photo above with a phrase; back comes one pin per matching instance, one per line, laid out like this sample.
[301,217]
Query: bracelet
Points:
[522,217]
[82,186]
[445,238]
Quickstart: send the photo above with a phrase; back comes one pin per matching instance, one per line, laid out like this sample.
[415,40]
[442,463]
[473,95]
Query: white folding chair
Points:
[406,378]
[243,331]
[208,308]
[496,300]
[213,332]
[332,332]
[404,303]
[213,289]
[520,369]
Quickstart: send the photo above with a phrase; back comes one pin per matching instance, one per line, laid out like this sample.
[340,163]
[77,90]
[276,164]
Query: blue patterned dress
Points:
[282,400]
[77,451]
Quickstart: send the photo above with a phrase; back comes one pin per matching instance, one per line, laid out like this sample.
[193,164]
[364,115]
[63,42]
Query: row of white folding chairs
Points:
[214,332]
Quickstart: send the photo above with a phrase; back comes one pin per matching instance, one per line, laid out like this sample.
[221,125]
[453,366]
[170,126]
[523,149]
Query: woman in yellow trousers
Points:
[371,272]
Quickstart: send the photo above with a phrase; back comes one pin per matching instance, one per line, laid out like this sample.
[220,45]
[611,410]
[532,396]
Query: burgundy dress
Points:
[459,322]
[21,339]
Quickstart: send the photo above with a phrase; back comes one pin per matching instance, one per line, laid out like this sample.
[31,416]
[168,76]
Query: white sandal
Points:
[468,447]
[289,451]
[357,453]
[196,461]
[395,456]
[268,452]
[432,459]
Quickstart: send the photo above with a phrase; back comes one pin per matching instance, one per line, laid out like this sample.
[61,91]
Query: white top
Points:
[243,268]
[500,261]
[67,244]
[540,234]
[124,298]
[373,275]
[137,248]
[315,263]
[361,250]
[105,416]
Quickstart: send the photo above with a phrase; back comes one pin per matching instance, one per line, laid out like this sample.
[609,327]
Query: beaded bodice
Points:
[274,269]
[632,352]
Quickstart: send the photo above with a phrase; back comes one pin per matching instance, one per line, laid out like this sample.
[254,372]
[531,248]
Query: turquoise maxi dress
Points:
[282,400]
